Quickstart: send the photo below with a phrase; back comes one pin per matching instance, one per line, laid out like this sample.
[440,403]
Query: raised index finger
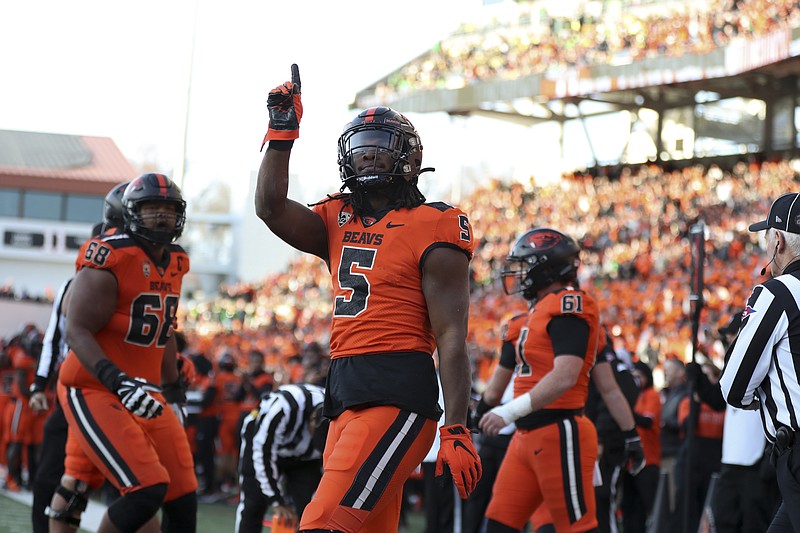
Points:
[295,75]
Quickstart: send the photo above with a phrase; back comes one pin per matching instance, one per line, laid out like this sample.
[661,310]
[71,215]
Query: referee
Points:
[763,362]
[280,460]
[51,466]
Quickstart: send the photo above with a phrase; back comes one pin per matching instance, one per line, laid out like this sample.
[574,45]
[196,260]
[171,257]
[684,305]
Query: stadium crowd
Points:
[632,225]
[535,42]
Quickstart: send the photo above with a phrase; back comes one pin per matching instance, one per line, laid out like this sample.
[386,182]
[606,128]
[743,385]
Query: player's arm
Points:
[497,385]
[169,364]
[445,284]
[92,301]
[570,337]
[293,222]
[617,404]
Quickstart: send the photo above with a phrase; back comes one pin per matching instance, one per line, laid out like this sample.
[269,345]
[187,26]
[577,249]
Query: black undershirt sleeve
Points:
[569,335]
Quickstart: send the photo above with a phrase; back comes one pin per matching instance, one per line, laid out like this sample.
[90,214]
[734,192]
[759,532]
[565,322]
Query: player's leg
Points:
[516,490]
[369,455]
[172,446]
[50,468]
[115,442]
[565,469]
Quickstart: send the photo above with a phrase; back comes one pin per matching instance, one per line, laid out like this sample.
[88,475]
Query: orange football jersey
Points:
[535,355]
[147,300]
[376,274]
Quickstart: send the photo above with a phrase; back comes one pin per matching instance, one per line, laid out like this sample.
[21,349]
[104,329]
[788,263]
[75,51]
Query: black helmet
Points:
[540,257]
[113,216]
[31,340]
[388,131]
[152,188]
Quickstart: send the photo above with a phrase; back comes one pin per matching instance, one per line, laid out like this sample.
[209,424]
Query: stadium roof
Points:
[764,68]
[55,162]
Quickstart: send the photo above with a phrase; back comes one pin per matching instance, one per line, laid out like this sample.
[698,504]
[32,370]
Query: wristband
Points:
[107,373]
[631,434]
[515,409]
[281,146]
[39,384]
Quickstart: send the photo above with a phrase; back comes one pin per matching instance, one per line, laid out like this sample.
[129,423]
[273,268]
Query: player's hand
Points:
[634,452]
[136,399]
[285,110]
[457,451]
[491,424]
[38,402]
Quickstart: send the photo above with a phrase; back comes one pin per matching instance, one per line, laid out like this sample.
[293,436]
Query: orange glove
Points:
[285,110]
[457,451]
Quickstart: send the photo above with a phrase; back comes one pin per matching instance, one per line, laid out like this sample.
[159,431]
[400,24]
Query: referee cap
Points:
[783,215]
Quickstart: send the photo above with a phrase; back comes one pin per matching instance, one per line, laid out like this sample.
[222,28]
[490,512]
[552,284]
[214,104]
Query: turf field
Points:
[211,518]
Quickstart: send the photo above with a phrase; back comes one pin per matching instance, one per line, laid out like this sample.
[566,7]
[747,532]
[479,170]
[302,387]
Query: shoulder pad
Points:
[441,206]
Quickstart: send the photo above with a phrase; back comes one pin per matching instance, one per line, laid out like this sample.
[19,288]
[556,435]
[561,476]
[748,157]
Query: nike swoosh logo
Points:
[458,444]
[389,225]
[537,452]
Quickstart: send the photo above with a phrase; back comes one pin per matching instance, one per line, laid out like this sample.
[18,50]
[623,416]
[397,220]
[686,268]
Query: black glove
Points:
[285,110]
[131,391]
[634,453]
[481,409]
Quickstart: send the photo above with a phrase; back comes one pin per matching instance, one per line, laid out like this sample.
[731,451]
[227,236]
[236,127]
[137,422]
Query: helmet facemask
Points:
[539,258]
[387,134]
[156,228]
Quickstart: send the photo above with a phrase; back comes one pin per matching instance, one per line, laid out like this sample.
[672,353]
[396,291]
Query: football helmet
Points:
[113,216]
[538,258]
[385,130]
[31,340]
[152,188]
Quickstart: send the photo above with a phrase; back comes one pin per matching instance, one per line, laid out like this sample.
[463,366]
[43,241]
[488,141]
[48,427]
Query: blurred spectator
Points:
[706,445]
[674,392]
[639,492]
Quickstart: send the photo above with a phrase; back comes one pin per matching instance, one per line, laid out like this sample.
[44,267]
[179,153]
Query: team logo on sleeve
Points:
[344,218]
[747,312]
[146,268]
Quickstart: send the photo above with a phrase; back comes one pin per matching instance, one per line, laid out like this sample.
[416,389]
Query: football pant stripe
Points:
[380,466]
[94,435]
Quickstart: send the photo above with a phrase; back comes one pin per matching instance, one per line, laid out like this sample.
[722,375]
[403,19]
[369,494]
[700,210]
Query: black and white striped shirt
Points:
[763,363]
[54,346]
[279,429]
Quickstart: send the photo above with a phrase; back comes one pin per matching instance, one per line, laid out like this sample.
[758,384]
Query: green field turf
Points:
[15,517]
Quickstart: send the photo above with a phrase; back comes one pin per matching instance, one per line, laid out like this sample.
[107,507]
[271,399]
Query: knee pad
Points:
[76,504]
[133,510]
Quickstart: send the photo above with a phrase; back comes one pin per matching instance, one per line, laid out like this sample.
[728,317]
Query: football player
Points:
[399,270]
[51,467]
[120,319]
[552,454]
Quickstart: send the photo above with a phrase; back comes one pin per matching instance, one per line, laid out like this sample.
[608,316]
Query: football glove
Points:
[130,391]
[457,451]
[285,110]
[634,453]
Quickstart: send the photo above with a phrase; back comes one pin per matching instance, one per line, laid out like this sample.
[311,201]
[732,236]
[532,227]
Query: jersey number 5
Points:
[147,324]
[357,282]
